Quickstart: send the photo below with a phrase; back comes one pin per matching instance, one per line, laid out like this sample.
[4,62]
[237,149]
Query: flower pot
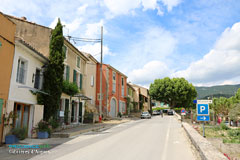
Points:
[11,139]
[42,135]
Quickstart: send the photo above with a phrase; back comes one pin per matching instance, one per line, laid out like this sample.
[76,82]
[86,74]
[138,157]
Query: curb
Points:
[203,146]
[67,135]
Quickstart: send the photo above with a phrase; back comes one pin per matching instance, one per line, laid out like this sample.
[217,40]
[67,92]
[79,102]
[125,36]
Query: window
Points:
[78,62]
[21,71]
[37,79]
[114,87]
[92,80]
[98,97]
[114,76]
[64,51]
[122,87]
[66,73]
[114,82]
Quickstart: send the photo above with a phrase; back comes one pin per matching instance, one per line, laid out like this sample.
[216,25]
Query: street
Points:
[147,139]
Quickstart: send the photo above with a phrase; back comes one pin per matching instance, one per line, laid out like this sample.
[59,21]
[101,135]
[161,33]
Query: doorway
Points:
[22,112]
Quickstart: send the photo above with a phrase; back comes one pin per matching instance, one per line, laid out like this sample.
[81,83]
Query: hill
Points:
[217,91]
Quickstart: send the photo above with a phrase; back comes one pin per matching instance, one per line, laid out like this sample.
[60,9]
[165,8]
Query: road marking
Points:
[166,142]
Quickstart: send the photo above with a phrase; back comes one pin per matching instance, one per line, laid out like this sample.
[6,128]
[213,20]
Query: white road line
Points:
[166,142]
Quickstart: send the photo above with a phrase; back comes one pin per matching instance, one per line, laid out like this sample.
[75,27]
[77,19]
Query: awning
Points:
[82,97]
[34,90]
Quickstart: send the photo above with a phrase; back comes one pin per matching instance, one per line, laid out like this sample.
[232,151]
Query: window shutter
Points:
[92,80]
[64,49]
[74,76]
[80,81]
[68,72]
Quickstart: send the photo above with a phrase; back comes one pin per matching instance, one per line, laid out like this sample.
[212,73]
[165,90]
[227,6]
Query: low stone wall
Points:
[206,149]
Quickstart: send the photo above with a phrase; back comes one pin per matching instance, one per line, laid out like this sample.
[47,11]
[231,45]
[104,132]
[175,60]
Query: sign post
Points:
[203,112]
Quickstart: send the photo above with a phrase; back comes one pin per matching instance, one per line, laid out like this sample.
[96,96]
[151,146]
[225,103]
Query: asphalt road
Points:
[149,139]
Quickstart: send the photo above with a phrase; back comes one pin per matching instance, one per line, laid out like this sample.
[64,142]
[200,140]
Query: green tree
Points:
[175,92]
[53,75]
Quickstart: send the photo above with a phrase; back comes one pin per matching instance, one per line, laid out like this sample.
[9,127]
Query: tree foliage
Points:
[53,75]
[70,88]
[227,106]
[176,92]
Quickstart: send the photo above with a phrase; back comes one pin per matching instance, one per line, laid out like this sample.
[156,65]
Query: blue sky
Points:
[148,39]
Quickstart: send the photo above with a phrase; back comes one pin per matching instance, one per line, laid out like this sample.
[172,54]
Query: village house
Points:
[38,37]
[114,91]
[143,99]
[7,43]
[26,81]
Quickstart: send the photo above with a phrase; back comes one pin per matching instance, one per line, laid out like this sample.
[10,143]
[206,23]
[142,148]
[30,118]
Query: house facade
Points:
[38,36]
[114,91]
[142,97]
[7,45]
[26,81]
[133,100]
[75,72]
[91,70]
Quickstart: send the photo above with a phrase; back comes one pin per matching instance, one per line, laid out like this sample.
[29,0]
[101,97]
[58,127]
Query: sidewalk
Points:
[83,128]
[56,139]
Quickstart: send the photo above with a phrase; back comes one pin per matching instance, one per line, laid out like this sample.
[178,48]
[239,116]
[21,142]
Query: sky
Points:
[150,39]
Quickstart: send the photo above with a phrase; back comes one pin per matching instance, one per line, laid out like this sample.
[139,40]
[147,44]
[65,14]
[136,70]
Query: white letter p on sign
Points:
[202,108]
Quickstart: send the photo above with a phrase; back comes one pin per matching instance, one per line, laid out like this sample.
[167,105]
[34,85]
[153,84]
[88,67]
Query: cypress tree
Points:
[53,75]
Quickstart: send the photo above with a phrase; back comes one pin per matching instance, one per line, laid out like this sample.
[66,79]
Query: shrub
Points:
[43,126]
[20,133]
[223,126]
[54,123]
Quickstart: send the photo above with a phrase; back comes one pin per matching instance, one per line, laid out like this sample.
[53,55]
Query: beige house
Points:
[38,36]
[133,99]
[142,97]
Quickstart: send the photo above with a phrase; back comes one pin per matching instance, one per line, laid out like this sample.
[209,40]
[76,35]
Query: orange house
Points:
[7,45]
[114,91]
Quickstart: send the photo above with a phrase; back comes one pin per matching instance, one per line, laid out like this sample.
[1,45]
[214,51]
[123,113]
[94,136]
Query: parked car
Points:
[170,112]
[165,111]
[155,112]
[145,115]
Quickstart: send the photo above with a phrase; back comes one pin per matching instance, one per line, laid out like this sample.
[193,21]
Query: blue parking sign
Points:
[202,109]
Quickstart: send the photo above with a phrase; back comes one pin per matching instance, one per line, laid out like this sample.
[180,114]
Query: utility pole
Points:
[100,103]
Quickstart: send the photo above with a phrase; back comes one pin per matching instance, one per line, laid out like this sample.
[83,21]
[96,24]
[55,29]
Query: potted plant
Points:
[10,138]
[43,129]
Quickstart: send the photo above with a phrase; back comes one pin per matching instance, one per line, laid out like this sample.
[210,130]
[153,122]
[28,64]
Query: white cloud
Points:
[149,4]
[118,7]
[95,50]
[82,9]
[68,28]
[150,71]
[221,64]
[94,29]
[155,43]
[123,7]
[171,3]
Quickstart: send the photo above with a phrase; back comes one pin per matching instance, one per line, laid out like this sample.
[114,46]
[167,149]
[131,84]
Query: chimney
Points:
[24,18]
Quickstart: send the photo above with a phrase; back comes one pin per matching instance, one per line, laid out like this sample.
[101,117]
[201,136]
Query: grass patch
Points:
[227,134]
[160,108]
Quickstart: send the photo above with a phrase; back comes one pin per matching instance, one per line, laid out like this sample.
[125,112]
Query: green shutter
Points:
[74,76]
[64,49]
[68,72]
[80,81]
[1,107]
